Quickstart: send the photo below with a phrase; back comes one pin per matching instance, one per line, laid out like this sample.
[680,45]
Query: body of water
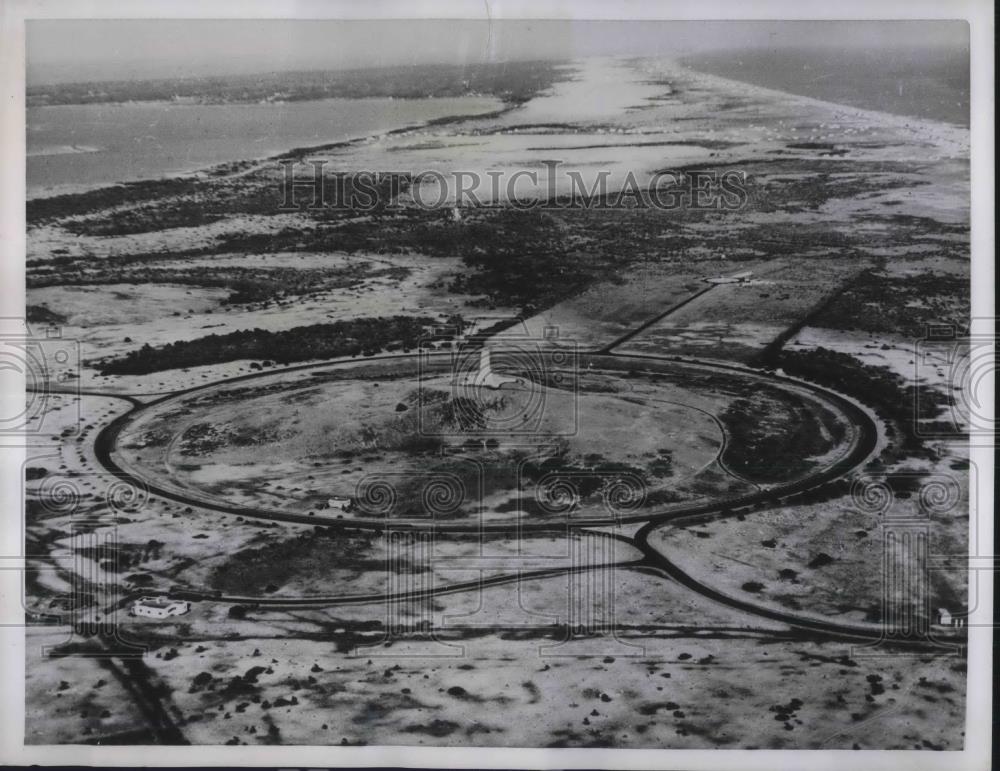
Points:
[70,146]
[921,82]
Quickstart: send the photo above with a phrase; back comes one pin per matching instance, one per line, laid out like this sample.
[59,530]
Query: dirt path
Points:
[655,320]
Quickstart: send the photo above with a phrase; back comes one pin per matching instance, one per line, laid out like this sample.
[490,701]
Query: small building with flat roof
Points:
[159,607]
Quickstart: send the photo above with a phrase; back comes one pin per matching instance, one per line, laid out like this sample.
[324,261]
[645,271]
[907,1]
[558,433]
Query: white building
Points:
[159,607]
[944,618]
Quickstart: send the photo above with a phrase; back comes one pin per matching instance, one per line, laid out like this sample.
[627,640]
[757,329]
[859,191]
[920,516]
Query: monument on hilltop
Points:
[485,377]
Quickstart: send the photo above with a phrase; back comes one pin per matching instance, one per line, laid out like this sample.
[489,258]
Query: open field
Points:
[279,680]
[364,432]
[816,558]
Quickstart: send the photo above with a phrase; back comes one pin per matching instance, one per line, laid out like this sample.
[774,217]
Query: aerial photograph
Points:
[545,384]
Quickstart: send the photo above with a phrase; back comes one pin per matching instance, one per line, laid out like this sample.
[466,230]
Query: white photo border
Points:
[13,14]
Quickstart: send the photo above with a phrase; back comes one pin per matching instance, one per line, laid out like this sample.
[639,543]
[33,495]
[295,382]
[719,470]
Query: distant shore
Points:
[36,191]
[934,129]
[927,84]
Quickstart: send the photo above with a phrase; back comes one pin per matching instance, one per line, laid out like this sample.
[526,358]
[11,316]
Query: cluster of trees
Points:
[246,285]
[149,218]
[192,203]
[876,302]
[42,314]
[274,564]
[354,337]
[39,210]
[520,259]
[879,387]
[586,478]
[772,438]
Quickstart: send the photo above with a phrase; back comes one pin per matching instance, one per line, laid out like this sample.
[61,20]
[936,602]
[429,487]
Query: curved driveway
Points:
[863,443]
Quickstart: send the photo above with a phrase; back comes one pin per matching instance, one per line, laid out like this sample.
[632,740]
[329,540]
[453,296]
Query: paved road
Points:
[656,319]
[863,443]
[376,598]
[867,632]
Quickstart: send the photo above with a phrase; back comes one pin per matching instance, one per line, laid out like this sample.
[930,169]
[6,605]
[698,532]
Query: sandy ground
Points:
[660,685]
[774,557]
[680,671]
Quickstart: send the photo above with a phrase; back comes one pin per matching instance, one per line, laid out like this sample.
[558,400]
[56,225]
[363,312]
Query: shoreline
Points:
[220,169]
[711,62]
[899,120]
[931,129]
